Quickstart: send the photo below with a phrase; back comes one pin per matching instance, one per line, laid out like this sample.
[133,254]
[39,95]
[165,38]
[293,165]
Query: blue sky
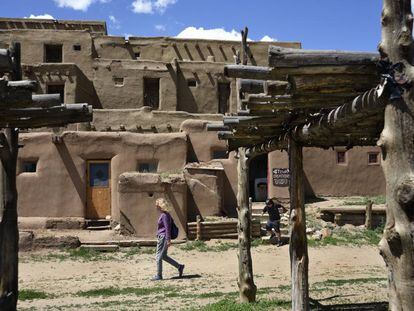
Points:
[318,24]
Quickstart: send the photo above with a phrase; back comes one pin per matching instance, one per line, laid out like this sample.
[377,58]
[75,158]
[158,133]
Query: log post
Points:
[198,232]
[298,248]
[9,233]
[397,145]
[247,288]
[368,215]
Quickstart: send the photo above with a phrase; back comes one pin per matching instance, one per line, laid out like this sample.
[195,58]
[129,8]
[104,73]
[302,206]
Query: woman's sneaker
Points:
[180,270]
[156,278]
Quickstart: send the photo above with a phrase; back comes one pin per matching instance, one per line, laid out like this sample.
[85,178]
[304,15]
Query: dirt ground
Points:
[60,280]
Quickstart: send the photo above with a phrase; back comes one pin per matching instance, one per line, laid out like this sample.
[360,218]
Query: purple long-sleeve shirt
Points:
[164,226]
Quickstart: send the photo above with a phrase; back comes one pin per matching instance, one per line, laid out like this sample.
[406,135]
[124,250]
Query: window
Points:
[192,82]
[119,81]
[223,97]
[53,53]
[373,158]
[219,154]
[57,89]
[148,167]
[29,166]
[341,157]
[152,92]
[137,55]
[77,47]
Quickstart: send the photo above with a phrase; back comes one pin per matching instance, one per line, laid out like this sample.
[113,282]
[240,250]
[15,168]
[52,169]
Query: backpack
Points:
[174,230]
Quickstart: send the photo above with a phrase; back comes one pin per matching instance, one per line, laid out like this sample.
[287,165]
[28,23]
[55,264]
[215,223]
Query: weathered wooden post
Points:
[396,142]
[247,288]
[298,248]
[368,215]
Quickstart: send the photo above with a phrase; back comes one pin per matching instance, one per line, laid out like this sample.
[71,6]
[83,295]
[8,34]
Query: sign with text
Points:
[281,177]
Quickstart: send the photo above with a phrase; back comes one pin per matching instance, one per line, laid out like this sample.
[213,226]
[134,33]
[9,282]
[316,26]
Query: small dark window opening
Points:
[77,47]
[152,92]
[137,55]
[29,166]
[373,158]
[119,81]
[223,97]
[192,82]
[341,157]
[149,167]
[53,53]
[57,89]
[219,154]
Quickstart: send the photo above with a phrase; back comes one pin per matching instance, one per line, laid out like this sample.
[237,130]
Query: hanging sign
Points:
[281,177]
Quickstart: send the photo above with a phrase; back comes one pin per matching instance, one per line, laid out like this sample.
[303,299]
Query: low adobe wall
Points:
[137,195]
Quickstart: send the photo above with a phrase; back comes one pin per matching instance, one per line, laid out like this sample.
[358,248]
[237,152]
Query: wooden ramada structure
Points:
[326,99]
[19,109]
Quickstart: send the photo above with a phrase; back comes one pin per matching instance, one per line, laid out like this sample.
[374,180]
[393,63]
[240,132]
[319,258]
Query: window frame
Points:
[337,152]
[378,162]
[45,53]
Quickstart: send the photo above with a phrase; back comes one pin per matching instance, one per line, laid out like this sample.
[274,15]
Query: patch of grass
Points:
[345,237]
[78,254]
[28,294]
[201,246]
[341,282]
[133,251]
[231,305]
[115,291]
[363,201]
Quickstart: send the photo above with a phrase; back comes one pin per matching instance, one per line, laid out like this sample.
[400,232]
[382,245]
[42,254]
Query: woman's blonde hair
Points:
[163,204]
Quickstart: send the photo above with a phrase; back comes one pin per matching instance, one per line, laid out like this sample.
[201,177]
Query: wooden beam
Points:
[247,288]
[213,127]
[252,86]
[298,247]
[282,57]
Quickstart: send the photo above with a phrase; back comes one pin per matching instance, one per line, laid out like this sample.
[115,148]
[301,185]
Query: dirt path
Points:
[211,276]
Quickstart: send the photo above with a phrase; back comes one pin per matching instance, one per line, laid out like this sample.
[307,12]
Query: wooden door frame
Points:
[88,162]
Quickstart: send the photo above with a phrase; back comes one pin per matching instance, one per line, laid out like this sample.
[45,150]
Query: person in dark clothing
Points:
[273,223]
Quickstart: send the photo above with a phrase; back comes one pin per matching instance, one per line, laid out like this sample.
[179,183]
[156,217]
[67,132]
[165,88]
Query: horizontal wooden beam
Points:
[252,86]
[282,57]
[213,127]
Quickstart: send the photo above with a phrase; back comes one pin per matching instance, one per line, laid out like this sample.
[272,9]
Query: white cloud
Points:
[115,23]
[81,5]
[44,16]
[151,6]
[266,38]
[160,27]
[212,34]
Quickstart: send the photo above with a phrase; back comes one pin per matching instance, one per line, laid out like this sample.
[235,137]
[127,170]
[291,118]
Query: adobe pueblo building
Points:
[152,100]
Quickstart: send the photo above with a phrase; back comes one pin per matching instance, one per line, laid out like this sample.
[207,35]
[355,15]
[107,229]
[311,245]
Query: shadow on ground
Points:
[189,276]
[368,306]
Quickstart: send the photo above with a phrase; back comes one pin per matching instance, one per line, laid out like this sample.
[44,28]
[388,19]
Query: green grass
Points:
[201,246]
[345,237]
[231,305]
[136,250]
[115,291]
[363,201]
[28,294]
[341,282]
[78,254]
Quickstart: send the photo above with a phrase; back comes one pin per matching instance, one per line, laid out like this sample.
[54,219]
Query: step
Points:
[98,224]
[98,228]
[100,247]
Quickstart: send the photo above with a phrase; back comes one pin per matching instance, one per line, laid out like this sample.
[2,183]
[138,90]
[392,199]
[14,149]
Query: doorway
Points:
[98,203]
[258,178]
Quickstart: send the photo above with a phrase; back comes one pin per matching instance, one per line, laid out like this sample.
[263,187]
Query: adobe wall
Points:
[201,147]
[137,196]
[327,178]
[58,188]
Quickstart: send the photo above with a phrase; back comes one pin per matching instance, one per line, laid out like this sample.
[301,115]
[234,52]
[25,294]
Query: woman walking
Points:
[164,239]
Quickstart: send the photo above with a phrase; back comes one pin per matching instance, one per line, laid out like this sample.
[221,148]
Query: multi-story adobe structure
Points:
[152,99]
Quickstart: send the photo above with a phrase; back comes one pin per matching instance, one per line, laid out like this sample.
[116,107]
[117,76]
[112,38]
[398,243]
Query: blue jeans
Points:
[162,255]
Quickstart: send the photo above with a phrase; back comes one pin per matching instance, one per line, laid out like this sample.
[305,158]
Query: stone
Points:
[56,242]
[326,232]
[25,240]
[317,235]
[310,230]
[117,228]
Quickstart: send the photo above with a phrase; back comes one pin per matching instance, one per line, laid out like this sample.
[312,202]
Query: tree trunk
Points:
[9,233]
[298,247]
[397,146]
[247,288]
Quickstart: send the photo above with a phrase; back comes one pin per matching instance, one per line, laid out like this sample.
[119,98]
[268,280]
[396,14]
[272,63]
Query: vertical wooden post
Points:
[9,233]
[368,215]
[247,288]
[397,145]
[298,247]
[198,232]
